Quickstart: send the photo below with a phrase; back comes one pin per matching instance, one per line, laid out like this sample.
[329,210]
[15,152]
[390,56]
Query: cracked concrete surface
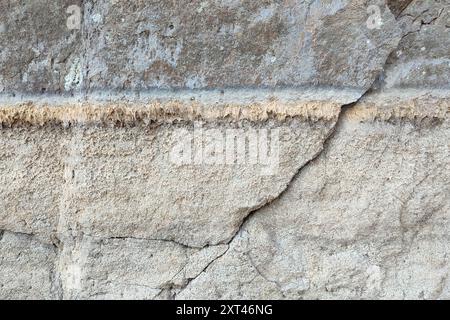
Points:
[93,205]
[360,221]
[120,182]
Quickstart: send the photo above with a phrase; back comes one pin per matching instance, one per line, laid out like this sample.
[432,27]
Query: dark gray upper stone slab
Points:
[423,57]
[210,44]
[140,45]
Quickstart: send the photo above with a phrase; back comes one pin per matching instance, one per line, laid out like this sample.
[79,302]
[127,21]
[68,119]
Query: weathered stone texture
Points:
[31,179]
[368,219]
[113,181]
[422,58]
[126,186]
[27,268]
[128,262]
[198,44]
[136,45]
[397,6]
[38,53]
[106,195]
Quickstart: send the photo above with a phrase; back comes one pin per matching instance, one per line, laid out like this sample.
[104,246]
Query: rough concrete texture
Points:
[369,218]
[115,181]
[225,149]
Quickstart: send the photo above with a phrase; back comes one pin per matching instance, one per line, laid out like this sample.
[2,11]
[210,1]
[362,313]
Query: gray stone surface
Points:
[136,45]
[198,44]
[422,58]
[27,268]
[31,179]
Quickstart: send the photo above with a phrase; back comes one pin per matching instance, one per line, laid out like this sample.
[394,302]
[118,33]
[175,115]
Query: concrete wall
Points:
[224,149]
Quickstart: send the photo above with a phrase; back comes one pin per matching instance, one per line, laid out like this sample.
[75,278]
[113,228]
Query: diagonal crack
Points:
[255,210]
[324,147]
[261,206]
[423,23]
[326,142]
[188,282]
[258,271]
